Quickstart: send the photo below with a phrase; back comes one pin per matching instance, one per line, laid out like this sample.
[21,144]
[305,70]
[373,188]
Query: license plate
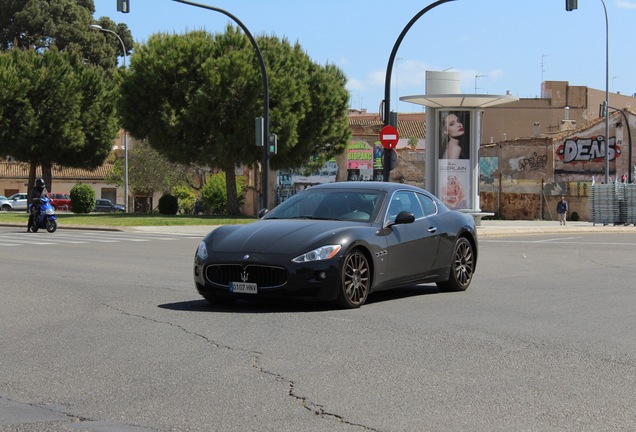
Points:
[243,287]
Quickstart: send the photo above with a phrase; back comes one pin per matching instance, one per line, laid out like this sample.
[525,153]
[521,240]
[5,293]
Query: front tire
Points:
[462,267]
[355,280]
[51,225]
[6,207]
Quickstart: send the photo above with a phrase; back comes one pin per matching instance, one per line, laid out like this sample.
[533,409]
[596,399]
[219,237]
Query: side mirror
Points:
[262,213]
[404,217]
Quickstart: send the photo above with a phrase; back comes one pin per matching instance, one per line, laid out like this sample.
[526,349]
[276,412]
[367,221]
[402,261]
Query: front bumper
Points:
[274,276]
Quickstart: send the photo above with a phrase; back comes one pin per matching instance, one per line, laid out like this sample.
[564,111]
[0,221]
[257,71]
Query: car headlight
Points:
[322,253]
[202,251]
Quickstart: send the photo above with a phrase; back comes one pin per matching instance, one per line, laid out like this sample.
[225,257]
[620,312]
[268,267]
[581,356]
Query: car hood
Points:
[276,236]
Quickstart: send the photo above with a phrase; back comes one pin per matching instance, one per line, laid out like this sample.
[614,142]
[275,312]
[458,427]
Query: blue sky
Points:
[496,45]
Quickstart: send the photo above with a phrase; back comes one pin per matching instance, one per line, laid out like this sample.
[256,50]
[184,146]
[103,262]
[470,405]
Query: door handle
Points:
[432,230]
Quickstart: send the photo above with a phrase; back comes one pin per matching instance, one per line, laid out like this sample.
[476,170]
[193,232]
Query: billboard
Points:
[454,158]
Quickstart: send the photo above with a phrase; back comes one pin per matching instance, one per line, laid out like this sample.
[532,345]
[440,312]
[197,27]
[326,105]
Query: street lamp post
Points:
[100,28]
[569,6]
[606,95]
[387,78]
[629,141]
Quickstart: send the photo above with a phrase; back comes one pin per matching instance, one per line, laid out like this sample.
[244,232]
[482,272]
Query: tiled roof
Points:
[20,170]
[409,125]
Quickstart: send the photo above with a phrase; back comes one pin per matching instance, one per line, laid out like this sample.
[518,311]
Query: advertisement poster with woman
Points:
[454,159]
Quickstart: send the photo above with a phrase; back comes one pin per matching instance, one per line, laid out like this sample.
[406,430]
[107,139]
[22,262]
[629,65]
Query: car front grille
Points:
[262,276]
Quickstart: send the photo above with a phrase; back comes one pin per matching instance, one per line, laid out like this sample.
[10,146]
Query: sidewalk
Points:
[488,228]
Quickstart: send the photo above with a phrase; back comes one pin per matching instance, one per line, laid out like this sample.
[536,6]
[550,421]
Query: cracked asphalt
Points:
[110,337]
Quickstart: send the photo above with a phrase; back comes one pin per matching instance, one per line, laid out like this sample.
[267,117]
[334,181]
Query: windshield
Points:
[329,204]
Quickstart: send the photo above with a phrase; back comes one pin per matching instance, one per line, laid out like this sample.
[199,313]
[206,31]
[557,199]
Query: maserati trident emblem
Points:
[244,276]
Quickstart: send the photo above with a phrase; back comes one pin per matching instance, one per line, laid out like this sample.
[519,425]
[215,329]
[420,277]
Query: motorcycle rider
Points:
[38,191]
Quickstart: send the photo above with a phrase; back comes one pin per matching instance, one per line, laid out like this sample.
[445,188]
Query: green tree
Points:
[194,97]
[69,119]
[148,171]
[55,109]
[42,24]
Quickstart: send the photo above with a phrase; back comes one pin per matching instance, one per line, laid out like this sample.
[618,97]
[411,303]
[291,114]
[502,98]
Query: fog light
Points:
[322,275]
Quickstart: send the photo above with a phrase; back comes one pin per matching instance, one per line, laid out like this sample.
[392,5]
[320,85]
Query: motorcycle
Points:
[45,219]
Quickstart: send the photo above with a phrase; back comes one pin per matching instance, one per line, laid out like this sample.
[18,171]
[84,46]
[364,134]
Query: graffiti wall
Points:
[587,149]
[521,179]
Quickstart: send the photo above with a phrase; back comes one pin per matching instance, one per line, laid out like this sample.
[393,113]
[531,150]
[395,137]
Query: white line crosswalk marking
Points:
[15,239]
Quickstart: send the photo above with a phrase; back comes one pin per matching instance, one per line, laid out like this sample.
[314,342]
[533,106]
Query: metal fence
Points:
[613,204]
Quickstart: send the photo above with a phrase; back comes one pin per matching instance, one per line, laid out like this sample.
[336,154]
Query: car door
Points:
[411,247]
[21,202]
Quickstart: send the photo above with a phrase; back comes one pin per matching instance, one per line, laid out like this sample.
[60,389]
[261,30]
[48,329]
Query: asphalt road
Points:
[105,332]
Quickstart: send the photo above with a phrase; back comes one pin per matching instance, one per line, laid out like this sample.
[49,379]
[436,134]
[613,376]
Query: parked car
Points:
[60,201]
[340,242]
[17,201]
[107,206]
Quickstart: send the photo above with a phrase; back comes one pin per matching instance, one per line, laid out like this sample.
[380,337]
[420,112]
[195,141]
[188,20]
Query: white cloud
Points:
[626,4]
[355,85]
[376,78]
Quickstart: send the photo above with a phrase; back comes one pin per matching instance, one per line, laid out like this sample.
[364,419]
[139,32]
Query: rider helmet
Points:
[40,183]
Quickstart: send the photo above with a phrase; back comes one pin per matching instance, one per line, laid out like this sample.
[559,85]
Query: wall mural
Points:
[488,166]
[587,149]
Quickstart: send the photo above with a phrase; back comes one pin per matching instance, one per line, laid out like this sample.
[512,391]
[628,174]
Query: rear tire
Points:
[462,267]
[355,280]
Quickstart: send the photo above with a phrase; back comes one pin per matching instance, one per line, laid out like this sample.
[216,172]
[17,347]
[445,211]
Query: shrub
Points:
[186,199]
[214,193]
[574,217]
[168,205]
[82,198]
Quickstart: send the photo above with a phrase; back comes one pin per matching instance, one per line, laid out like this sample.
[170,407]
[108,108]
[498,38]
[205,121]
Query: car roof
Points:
[369,185]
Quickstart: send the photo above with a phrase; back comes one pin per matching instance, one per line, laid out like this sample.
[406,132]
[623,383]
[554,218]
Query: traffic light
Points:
[570,5]
[272,144]
[259,124]
[123,6]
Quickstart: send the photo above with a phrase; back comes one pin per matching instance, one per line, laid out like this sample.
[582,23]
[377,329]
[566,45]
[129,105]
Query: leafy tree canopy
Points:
[55,109]
[57,103]
[194,97]
[42,24]
[148,171]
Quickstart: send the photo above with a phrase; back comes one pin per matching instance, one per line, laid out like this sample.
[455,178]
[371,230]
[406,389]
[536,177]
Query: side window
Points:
[404,201]
[427,204]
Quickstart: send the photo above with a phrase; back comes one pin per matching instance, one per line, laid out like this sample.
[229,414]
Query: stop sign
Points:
[389,136]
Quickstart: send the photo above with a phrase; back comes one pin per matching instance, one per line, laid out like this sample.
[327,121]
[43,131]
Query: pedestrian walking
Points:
[562,210]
